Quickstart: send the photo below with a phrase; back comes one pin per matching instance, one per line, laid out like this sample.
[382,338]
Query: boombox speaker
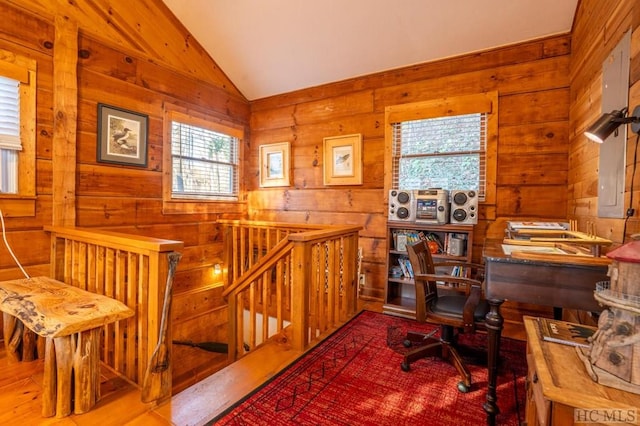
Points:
[402,206]
[464,207]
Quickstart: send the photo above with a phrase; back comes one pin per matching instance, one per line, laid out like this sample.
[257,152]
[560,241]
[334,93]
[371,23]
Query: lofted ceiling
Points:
[270,47]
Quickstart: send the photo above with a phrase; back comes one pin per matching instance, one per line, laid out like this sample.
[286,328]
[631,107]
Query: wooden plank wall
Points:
[135,67]
[598,27]
[546,98]
[533,85]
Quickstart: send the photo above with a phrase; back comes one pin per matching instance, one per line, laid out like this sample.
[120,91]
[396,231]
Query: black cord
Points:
[631,210]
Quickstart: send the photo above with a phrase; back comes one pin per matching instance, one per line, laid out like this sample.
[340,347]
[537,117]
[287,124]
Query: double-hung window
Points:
[9,134]
[446,143]
[203,159]
[17,134]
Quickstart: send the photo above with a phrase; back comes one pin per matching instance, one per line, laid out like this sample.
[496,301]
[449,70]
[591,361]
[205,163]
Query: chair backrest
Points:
[426,289]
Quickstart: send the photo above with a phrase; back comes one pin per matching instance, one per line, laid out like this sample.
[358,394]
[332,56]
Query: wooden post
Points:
[65,111]
[300,295]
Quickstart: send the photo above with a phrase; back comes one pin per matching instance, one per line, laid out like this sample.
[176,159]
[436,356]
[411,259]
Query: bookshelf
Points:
[453,242]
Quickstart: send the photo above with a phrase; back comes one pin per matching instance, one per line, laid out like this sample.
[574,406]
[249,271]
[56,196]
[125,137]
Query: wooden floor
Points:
[120,404]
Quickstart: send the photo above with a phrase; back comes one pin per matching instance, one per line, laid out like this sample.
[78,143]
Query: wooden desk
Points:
[70,319]
[559,388]
[544,283]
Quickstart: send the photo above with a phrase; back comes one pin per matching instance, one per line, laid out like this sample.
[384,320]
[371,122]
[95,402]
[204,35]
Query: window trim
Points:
[190,203]
[23,69]
[445,107]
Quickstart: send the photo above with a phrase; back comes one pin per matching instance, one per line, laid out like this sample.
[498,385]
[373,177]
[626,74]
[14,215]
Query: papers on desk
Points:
[553,226]
[552,254]
[509,248]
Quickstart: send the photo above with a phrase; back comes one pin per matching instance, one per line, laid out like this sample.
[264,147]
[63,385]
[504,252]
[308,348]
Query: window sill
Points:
[13,205]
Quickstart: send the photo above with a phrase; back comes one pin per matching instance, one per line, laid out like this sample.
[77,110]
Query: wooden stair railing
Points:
[306,282]
[130,268]
[278,260]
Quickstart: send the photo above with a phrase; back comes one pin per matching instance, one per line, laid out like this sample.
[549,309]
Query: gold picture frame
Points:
[343,160]
[275,162]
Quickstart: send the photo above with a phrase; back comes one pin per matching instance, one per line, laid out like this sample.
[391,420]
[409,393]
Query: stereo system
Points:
[434,206]
[402,206]
[464,207]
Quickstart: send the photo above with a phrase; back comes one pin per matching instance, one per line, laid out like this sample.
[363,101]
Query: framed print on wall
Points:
[275,164]
[122,136]
[343,160]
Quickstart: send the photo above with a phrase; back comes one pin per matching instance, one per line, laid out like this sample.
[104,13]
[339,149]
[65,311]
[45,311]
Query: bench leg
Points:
[49,380]
[64,369]
[74,357]
[86,365]
[12,331]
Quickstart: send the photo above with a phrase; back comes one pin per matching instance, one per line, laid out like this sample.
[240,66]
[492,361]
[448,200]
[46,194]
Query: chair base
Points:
[430,346]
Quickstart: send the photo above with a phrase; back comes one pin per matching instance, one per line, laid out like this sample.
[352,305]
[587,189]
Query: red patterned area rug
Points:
[354,378]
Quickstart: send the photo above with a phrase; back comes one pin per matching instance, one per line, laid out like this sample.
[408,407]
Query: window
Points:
[446,143]
[17,134]
[203,158]
[9,134]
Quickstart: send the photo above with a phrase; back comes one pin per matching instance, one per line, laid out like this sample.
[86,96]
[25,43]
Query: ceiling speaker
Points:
[464,207]
[402,206]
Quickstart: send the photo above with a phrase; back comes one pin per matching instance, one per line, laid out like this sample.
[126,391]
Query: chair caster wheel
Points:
[462,388]
[405,366]
[407,343]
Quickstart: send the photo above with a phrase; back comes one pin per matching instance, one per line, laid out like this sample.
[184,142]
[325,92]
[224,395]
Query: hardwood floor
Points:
[120,404]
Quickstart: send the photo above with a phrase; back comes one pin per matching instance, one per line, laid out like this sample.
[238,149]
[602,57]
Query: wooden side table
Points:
[560,392]
[70,319]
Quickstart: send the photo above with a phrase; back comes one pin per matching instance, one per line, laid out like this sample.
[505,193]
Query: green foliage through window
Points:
[441,152]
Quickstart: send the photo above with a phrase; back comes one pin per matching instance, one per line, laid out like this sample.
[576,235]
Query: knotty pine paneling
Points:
[533,169]
[526,52]
[536,138]
[548,89]
[116,66]
[598,27]
[534,97]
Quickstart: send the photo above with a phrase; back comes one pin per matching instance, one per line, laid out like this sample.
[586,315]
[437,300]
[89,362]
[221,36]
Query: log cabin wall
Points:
[598,28]
[548,89]
[124,61]
[533,85]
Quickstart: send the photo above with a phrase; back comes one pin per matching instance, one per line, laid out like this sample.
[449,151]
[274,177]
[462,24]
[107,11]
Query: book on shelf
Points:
[405,265]
[566,333]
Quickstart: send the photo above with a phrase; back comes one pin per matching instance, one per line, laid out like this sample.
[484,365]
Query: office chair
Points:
[459,308]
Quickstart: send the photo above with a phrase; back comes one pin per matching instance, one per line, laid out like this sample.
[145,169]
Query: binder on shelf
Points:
[401,242]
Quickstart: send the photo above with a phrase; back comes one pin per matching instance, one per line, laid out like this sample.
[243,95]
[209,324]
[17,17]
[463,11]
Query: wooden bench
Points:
[70,320]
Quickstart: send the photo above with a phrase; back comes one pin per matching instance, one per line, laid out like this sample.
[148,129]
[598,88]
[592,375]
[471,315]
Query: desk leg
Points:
[494,322]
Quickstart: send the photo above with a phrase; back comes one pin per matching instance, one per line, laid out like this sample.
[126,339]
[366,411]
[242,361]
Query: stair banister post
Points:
[300,280]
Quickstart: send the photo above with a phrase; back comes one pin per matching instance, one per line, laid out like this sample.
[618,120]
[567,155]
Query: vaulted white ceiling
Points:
[270,47]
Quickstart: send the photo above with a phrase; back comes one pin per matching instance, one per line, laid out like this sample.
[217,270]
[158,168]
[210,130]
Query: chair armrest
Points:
[468,282]
[470,306]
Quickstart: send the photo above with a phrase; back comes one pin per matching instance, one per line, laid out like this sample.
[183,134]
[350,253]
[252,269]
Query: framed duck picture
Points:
[122,136]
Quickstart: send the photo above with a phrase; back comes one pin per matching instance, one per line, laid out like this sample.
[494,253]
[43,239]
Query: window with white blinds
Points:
[442,152]
[9,134]
[204,163]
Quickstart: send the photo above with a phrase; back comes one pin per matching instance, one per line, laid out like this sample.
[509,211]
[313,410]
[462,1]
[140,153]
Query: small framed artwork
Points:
[343,160]
[274,164]
[122,136]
